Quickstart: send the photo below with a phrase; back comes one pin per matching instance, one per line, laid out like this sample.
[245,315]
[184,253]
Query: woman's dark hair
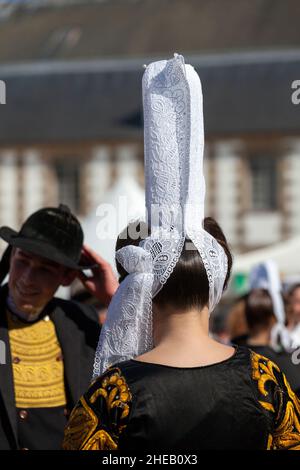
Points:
[259,310]
[187,286]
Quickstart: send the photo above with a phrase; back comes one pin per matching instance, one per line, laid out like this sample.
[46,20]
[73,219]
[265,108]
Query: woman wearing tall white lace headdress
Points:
[266,276]
[160,382]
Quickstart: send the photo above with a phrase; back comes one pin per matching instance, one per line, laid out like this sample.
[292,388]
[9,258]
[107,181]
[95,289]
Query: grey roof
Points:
[71,101]
[132,28]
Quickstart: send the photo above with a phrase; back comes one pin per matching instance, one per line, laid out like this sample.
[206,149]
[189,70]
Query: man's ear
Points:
[11,251]
[69,277]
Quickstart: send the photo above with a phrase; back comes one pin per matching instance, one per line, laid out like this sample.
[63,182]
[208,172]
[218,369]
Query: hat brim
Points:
[40,248]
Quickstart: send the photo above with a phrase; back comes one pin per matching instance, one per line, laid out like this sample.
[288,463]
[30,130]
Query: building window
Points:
[263,183]
[68,178]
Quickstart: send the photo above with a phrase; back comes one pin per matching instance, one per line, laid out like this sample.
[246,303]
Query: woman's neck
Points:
[173,326]
[182,339]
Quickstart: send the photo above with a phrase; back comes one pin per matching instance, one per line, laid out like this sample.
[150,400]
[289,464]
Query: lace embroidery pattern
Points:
[127,331]
[215,263]
[175,190]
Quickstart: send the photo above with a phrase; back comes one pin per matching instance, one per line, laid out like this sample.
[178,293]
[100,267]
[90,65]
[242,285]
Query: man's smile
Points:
[25,292]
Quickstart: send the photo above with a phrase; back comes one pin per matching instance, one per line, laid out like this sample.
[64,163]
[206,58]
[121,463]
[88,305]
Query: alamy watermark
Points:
[2,353]
[296,357]
[2,92]
[295,97]
[165,221]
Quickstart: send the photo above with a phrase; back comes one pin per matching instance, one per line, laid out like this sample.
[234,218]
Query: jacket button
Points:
[23,414]
[16,360]
[59,357]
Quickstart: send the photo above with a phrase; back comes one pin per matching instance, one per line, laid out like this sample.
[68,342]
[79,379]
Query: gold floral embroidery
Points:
[81,426]
[100,441]
[116,393]
[270,442]
[101,414]
[272,382]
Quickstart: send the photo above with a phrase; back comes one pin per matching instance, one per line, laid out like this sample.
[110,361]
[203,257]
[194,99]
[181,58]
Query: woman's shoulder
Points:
[101,415]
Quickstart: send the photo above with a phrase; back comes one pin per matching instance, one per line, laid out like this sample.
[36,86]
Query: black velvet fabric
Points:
[242,403]
[201,408]
[43,428]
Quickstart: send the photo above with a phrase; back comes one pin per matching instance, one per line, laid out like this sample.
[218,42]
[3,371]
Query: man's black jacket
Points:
[77,331]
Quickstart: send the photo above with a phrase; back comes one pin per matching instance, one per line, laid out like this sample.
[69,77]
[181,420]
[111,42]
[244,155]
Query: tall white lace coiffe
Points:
[175,191]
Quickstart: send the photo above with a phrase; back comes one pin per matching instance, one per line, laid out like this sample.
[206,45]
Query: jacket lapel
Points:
[69,340]
[6,382]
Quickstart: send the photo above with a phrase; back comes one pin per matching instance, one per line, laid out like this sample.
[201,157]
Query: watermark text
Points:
[2,92]
[295,97]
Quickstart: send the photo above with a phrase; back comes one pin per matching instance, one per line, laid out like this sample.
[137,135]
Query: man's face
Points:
[33,280]
[295,305]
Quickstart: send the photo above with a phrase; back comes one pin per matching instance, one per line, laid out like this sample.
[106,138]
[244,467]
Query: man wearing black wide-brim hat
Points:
[50,342]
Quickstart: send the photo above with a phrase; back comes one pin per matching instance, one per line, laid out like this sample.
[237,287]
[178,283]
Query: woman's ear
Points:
[69,277]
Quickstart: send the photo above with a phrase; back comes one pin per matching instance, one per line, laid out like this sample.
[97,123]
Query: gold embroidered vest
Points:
[38,368]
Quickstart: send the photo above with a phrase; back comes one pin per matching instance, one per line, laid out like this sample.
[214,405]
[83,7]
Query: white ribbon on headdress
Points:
[175,190]
[266,276]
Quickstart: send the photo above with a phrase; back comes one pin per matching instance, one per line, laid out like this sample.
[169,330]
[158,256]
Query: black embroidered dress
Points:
[244,402]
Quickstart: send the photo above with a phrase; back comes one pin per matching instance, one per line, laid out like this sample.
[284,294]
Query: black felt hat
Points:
[53,233]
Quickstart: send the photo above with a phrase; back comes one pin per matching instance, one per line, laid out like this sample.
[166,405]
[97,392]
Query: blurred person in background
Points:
[293,313]
[260,317]
[86,298]
[236,322]
[266,276]
[218,327]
